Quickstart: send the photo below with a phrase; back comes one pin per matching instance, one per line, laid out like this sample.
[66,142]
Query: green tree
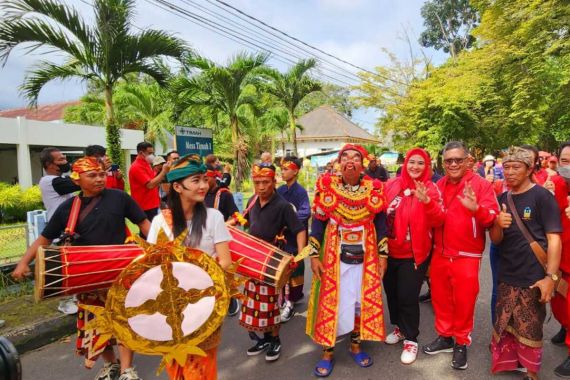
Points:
[290,89]
[448,25]
[220,92]
[337,97]
[101,54]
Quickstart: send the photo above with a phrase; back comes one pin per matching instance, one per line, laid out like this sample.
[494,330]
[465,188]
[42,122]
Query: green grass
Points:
[12,243]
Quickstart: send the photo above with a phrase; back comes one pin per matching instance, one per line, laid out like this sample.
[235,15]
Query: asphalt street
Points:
[299,355]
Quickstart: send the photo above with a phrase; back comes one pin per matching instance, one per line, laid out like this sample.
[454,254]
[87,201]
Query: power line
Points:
[305,43]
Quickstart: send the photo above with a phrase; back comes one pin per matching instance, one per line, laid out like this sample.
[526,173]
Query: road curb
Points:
[36,335]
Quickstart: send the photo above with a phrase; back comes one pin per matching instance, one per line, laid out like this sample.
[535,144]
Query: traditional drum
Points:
[67,270]
[259,260]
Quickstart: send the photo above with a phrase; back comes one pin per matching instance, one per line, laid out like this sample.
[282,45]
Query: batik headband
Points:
[289,165]
[186,166]
[85,164]
[263,171]
[213,171]
[517,154]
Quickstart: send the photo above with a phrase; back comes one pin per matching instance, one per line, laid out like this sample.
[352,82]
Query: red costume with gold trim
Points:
[348,212]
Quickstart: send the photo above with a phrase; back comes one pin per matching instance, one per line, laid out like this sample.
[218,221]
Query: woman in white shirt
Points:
[206,232]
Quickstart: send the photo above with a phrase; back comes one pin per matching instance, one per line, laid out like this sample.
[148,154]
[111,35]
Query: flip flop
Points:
[327,365]
[360,357]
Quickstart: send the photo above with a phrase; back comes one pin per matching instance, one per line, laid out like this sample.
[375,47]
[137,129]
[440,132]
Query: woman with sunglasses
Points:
[206,231]
[415,208]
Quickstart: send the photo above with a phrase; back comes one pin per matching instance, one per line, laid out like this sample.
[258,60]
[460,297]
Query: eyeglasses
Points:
[457,161]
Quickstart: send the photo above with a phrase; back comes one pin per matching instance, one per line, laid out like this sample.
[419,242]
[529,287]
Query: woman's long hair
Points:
[179,220]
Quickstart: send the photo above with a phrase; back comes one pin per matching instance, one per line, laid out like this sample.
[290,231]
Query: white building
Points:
[325,129]
[22,140]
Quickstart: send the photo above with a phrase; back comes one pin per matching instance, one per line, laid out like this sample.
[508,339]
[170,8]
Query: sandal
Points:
[325,364]
[360,358]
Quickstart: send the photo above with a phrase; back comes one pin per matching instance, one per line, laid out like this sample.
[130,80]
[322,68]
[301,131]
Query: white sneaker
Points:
[394,337]
[110,371]
[68,306]
[287,312]
[410,352]
[129,374]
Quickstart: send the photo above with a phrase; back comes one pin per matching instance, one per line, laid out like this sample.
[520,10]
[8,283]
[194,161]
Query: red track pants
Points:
[561,309]
[454,290]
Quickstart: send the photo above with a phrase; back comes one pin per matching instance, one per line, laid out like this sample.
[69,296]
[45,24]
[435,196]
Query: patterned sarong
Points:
[86,343]
[260,309]
[517,334]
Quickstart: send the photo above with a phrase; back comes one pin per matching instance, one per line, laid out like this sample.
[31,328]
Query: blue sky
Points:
[354,30]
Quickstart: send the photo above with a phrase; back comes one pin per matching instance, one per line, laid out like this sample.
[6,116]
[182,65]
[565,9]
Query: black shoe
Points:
[459,360]
[234,307]
[440,344]
[261,346]
[563,370]
[426,297]
[274,350]
[559,338]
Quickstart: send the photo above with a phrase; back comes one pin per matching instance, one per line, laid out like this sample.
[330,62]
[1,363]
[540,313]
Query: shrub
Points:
[15,203]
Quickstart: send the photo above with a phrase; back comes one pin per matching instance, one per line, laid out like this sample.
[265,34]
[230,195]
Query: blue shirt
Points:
[298,197]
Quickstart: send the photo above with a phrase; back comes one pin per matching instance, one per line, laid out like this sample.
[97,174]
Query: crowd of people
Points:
[364,233]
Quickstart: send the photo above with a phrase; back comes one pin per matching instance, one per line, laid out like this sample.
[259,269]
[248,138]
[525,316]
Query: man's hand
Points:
[22,270]
[166,167]
[567,210]
[421,192]
[546,286]
[227,168]
[490,178]
[469,199]
[317,267]
[383,267]
[505,219]
[549,185]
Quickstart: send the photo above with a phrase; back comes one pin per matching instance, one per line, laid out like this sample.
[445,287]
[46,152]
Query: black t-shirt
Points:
[105,224]
[379,173]
[538,210]
[227,205]
[268,221]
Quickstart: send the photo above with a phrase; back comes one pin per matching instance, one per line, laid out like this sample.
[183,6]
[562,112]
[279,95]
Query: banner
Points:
[194,140]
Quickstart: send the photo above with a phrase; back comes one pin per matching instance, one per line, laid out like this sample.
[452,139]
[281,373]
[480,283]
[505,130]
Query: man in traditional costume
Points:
[268,215]
[527,274]
[348,259]
[100,215]
[295,194]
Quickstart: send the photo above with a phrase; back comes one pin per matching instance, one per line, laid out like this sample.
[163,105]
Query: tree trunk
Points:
[239,159]
[293,126]
[111,129]
[283,143]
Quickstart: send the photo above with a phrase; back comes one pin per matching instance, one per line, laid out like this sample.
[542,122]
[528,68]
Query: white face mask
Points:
[564,171]
[150,158]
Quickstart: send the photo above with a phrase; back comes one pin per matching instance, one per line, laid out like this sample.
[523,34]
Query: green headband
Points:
[185,167]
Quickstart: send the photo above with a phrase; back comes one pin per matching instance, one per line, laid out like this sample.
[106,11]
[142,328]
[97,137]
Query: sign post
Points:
[194,141]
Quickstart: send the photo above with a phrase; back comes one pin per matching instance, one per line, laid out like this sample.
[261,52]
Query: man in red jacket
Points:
[470,208]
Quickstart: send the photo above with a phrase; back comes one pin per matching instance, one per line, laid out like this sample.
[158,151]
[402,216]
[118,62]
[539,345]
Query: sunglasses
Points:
[457,161]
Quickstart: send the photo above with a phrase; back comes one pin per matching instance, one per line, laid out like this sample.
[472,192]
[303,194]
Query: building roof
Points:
[325,122]
[48,112]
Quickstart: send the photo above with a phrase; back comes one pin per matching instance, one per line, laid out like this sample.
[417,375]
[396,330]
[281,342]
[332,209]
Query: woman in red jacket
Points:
[415,207]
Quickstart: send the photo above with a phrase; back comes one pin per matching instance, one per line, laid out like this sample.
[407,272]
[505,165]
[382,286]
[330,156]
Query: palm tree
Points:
[101,54]
[290,88]
[223,91]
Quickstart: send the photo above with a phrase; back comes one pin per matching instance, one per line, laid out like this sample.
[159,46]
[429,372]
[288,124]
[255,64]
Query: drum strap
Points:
[251,204]
[76,217]
[218,197]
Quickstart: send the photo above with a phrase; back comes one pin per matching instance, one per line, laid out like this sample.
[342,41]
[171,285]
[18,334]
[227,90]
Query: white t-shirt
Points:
[214,232]
[50,197]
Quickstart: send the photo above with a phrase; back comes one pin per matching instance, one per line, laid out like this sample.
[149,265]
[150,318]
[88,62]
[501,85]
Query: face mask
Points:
[64,168]
[564,171]
[150,158]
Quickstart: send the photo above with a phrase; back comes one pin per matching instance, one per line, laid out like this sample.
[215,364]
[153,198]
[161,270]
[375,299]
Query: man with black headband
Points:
[268,215]
[348,250]
[295,194]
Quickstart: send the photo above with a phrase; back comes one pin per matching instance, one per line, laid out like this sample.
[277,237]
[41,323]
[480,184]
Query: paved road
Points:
[57,361]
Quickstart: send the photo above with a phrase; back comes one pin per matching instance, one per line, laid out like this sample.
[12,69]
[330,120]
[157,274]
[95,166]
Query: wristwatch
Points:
[553,276]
